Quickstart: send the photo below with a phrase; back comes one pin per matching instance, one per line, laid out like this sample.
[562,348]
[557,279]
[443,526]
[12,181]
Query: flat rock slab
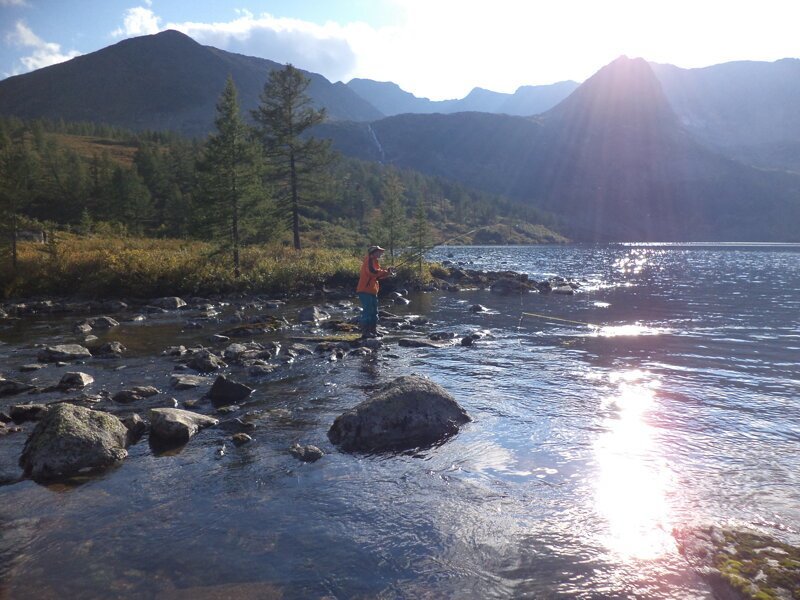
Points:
[178,426]
[21,413]
[71,440]
[10,387]
[408,412]
[64,352]
[187,382]
[420,343]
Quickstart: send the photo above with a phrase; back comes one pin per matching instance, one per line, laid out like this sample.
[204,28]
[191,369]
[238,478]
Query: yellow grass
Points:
[138,267]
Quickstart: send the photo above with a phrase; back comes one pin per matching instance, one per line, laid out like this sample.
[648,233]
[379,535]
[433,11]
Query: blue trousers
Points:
[369,302]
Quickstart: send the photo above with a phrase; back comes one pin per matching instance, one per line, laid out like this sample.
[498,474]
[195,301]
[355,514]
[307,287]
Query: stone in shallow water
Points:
[70,440]
[10,387]
[306,453]
[64,352]
[228,391]
[187,382]
[176,425]
[408,412]
[74,380]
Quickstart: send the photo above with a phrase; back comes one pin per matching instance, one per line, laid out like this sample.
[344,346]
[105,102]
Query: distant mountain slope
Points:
[612,159]
[748,110]
[391,100]
[162,81]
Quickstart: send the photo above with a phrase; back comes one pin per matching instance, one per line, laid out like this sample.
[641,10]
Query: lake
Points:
[663,394]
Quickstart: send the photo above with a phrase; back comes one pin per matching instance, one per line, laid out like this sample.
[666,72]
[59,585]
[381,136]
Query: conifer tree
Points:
[392,222]
[230,174]
[421,233]
[294,161]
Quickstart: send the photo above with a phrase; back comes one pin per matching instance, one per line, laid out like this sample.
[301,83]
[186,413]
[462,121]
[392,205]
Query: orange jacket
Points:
[371,272]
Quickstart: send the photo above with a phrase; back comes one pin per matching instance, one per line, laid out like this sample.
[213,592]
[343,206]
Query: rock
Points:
[114,306]
[21,413]
[372,344]
[136,427]
[219,339]
[187,382]
[205,361]
[261,370]
[402,301]
[239,439]
[227,391]
[234,351]
[31,367]
[10,387]
[506,285]
[64,352]
[417,343]
[109,350]
[74,380]
[5,417]
[177,426]
[82,327]
[408,412]
[478,308]
[134,394]
[306,453]
[174,351]
[565,290]
[103,323]
[71,440]
[438,336]
[312,314]
[168,303]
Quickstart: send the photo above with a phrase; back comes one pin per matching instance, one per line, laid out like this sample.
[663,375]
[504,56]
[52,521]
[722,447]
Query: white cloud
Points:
[442,49]
[13,3]
[138,21]
[44,53]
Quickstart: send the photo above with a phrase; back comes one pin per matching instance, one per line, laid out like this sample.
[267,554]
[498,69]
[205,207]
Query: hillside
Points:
[612,159]
[391,100]
[165,81]
[747,110]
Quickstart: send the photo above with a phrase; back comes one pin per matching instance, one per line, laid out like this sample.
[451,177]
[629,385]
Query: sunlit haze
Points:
[439,49]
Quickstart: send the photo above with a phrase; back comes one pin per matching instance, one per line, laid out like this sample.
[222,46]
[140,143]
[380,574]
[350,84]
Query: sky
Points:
[433,48]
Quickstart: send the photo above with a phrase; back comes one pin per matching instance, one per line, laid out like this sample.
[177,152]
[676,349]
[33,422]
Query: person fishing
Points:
[367,290]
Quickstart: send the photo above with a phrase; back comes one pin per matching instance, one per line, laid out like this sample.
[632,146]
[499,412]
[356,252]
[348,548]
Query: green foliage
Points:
[390,223]
[295,162]
[230,182]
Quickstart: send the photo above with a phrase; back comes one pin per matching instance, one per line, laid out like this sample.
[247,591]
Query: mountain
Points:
[747,110]
[161,81]
[391,100]
[612,159]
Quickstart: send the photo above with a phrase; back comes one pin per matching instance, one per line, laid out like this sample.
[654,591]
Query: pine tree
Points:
[421,233]
[15,191]
[284,115]
[230,175]
[392,222]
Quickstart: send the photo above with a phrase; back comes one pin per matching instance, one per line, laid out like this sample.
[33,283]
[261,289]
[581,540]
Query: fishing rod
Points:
[417,255]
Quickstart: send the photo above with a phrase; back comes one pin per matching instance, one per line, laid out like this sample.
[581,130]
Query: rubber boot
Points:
[373,331]
[364,331]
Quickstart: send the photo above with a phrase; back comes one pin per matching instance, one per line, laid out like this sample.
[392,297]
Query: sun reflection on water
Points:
[633,482]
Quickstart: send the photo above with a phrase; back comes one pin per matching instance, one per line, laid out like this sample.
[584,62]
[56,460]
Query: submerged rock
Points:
[312,314]
[103,323]
[240,439]
[64,352]
[71,440]
[174,425]
[187,382]
[408,412]
[306,453]
[109,350]
[136,427]
[742,564]
[137,393]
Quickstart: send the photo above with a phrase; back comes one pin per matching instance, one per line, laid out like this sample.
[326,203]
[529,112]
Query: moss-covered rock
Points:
[743,564]
[72,440]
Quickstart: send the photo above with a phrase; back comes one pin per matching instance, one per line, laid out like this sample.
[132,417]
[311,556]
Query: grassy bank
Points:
[96,267]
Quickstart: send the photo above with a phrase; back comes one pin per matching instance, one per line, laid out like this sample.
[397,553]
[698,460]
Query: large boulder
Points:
[64,352]
[173,425]
[70,440]
[407,413]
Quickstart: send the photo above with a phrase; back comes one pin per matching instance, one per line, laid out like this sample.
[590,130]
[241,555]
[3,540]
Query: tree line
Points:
[251,181]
